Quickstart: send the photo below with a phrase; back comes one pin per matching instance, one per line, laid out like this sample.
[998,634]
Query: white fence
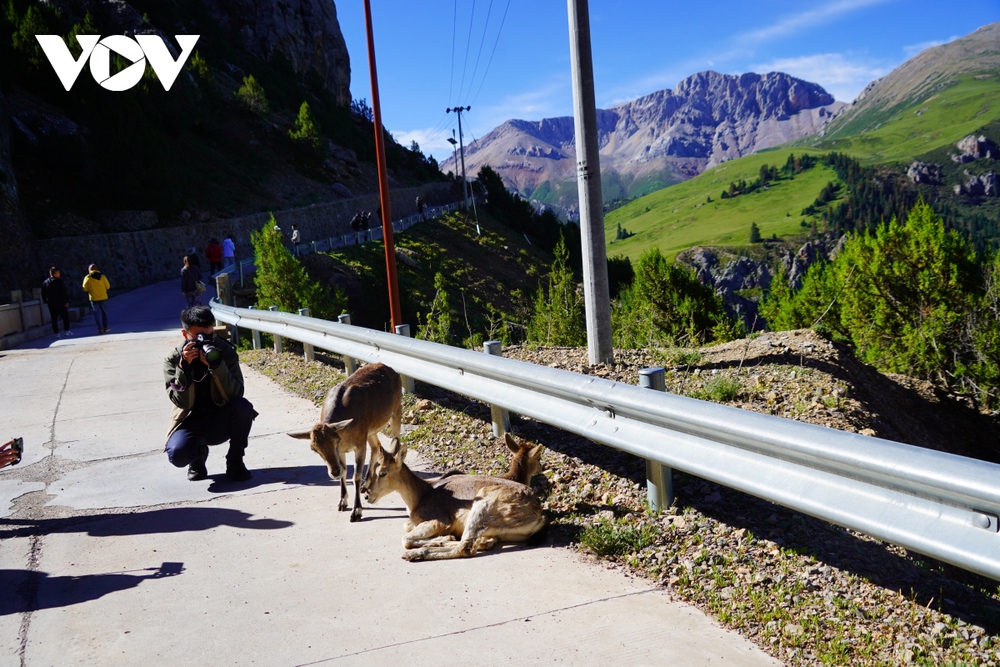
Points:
[941,505]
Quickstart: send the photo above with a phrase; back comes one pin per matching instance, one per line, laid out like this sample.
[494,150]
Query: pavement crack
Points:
[520,619]
[28,593]
[55,413]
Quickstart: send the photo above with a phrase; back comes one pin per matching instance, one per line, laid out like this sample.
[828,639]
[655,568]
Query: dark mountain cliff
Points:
[658,139]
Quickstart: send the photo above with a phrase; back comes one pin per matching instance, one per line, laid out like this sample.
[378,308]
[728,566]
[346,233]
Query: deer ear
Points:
[536,452]
[398,450]
[341,425]
[301,435]
[510,441]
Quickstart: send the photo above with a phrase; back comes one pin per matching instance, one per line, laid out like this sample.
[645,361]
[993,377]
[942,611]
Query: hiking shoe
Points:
[236,471]
[197,470]
[69,333]
[58,335]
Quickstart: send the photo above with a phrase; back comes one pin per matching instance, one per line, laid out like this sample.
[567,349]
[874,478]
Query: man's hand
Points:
[7,455]
[192,352]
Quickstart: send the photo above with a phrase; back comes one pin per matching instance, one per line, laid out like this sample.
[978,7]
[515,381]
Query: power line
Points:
[454,27]
[467,45]
[490,61]
[479,53]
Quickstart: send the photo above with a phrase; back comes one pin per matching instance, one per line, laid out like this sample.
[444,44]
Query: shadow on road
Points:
[26,590]
[170,520]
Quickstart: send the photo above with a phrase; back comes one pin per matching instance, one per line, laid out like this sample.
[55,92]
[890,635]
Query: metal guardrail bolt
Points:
[404,330]
[278,346]
[255,333]
[500,416]
[307,350]
[659,478]
[350,365]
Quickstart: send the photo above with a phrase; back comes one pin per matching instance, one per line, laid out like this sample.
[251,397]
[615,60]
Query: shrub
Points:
[437,324]
[252,95]
[609,537]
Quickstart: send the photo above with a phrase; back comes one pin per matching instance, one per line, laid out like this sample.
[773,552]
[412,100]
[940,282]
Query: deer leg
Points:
[342,507]
[423,531]
[397,419]
[359,466]
[476,523]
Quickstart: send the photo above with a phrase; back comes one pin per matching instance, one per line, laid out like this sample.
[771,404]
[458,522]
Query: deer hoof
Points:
[414,554]
[355,516]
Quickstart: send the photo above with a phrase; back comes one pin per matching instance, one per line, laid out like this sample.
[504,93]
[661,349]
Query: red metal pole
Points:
[383,179]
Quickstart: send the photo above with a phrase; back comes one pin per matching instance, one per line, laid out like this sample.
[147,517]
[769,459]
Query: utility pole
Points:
[461,151]
[383,179]
[597,299]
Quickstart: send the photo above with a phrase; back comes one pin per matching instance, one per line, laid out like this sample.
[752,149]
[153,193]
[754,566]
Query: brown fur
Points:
[526,462]
[459,515]
[352,414]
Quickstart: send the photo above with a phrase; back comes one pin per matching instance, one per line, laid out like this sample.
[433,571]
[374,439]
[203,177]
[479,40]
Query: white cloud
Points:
[808,19]
[913,49]
[842,76]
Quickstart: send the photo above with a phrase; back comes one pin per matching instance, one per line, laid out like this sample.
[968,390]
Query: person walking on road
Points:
[55,295]
[97,286]
[214,255]
[205,384]
[228,251]
[296,239]
[191,284]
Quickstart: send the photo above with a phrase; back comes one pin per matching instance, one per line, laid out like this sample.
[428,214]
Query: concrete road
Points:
[109,556]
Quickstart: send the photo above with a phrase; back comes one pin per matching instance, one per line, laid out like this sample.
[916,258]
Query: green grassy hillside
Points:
[680,217]
[923,125]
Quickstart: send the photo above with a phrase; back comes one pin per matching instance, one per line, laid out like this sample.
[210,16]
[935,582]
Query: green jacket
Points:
[226,384]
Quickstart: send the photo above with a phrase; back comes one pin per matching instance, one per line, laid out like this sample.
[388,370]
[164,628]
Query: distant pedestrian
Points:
[228,251]
[420,207]
[55,295]
[296,239]
[192,252]
[191,284]
[96,285]
[213,253]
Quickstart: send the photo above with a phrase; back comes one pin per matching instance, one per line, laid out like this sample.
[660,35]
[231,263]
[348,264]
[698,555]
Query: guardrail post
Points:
[307,349]
[500,416]
[278,346]
[254,333]
[349,364]
[659,478]
[404,330]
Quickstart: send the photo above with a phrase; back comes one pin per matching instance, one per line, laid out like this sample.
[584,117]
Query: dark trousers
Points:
[57,311]
[231,423]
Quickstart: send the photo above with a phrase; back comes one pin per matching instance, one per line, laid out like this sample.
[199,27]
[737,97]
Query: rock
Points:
[975,148]
[424,404]
[306,32]
[342,190]
[924,173]
[983,185]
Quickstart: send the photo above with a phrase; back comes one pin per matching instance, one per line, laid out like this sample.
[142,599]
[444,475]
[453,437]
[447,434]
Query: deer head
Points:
[383,471]
[526,462]
[324,439]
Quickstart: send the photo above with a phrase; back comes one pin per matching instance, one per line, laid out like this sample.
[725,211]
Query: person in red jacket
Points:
[214,254]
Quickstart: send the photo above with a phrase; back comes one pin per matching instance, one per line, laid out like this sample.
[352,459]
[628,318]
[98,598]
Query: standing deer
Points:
[352,414]
[476,510]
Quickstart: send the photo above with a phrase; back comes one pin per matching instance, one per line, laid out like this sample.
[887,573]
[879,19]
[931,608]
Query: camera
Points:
[206,343]
[17,445]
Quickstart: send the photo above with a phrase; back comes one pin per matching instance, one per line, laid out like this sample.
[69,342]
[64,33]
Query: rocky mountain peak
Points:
[666,136]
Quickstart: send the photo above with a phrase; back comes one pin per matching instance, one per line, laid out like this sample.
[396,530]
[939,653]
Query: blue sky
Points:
[510,58]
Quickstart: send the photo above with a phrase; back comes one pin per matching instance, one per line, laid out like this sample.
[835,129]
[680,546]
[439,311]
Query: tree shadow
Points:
[27,590]
[291,475]
[169,520]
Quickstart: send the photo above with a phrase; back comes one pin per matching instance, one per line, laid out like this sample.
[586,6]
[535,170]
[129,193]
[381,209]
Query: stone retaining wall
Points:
[135,259]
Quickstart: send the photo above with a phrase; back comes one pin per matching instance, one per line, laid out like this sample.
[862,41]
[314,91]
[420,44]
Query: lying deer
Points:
[352,414]
[526,462]
[476,510]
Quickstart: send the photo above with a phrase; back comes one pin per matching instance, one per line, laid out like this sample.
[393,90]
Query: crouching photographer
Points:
[205,384]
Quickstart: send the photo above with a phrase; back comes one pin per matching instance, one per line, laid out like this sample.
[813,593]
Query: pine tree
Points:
[253,96]
[754,233]
[305,131]
[282,281]
[558,317]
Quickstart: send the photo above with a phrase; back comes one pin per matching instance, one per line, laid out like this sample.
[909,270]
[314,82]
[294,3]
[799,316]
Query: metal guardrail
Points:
[938,504]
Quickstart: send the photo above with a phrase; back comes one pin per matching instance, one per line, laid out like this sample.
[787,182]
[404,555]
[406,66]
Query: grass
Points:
[933,120]
[680,217]
[616,537]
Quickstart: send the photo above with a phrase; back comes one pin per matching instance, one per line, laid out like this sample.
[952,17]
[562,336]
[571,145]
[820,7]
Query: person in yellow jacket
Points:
[97,286]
